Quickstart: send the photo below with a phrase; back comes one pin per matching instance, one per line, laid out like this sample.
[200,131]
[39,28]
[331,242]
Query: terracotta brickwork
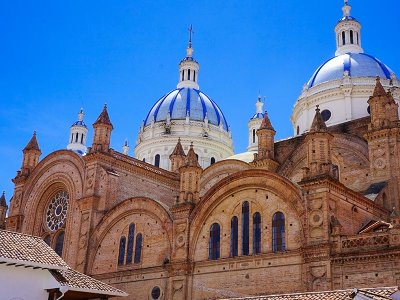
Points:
[324,204]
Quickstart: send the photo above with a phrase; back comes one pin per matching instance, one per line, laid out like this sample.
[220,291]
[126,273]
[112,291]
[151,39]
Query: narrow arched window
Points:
[59,243]
[254,135]
[82,139]
[47,239]
[257,233]
[351,37]
[212,160]
[214,243]
[138,248]
[245,228]
[183,74]
[358,41]
[343,38]
[72,137]
[76,137]
[189,74]
[157,160]
[234,237]
[131,238]
[121,251]
[194,76]
[278,232]
[197,157]
[144,159]
[298,130]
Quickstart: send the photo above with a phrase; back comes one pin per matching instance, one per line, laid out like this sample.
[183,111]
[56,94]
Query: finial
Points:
[317,108]
[34,132]
[105,105]
[190,35]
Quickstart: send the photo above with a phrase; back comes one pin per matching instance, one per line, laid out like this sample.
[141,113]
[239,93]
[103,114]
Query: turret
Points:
[348,35]
[102,132]
[190,178]
[3,211]
[31,155]
[318,141]
[254,124]
[78,135]
[177,157]
[189,67]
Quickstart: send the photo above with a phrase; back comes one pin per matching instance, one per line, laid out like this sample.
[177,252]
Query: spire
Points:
[191,159]
[3,200]
[348,34]
[80,115]
[318,124]
[178,150]
[125,148]
[266,123]
[103,117]
[189,67]
[379,90]
[32,144]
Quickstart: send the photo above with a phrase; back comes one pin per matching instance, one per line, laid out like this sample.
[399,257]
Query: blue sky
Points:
[58,56]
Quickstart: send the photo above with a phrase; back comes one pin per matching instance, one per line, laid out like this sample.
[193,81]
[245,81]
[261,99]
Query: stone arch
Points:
[221,169]
[121,213]
[260,180]
[61,170]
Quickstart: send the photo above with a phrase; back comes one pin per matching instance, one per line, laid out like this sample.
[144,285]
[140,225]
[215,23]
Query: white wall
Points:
[20,283]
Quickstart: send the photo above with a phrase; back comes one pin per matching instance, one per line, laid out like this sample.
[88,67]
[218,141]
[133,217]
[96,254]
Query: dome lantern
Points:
[78,135]
[189,67]
[348,35]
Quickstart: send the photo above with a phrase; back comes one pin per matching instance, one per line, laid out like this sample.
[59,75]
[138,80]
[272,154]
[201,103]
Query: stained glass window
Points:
[257,233]
[57,211]
[157,160]
[121,251]
[278,232]
[214,243]
[234,237]
[245,228]
[59,243]
[138,248]
[131,238]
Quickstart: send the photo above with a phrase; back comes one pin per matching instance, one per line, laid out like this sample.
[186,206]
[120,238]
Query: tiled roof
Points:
[32,144]
[76,281]
[28,250]
[103,117]
[373,293]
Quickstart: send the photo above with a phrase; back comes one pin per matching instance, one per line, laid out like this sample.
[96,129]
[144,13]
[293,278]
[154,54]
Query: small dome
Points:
[357,64]
[257,116]
[186,101]
[79,123]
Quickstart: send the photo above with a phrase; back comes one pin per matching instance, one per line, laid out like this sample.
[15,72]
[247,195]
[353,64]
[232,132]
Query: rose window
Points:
[57,211]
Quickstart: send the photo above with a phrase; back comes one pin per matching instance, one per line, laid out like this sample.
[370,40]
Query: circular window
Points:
[326,114]
[156,293]
[57,211]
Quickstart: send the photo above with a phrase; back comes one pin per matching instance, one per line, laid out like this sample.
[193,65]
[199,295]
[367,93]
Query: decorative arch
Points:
[125,209]
[254,179]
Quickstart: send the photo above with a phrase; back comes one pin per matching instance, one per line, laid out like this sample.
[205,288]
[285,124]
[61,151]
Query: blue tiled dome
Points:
[357,64]
[79,123]
[182,101]
[257,116]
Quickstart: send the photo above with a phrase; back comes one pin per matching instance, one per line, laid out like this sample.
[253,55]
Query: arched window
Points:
[72,137]
[189,74]
[183,75]
[278,232]
[257,233]
[76,137]
[82,139]
[343,38]
[121,251]
[194,76]
[213,251]
[234,237]
[157,160]
[131,237]
[358,41]
[138,248]
[212,160]
[197,157]
[245,228]
[351,37]
[298,130]
[144,159]
[59,243]
[47,239]
[254,135]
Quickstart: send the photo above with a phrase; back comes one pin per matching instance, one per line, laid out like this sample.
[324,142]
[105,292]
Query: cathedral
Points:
[187,218]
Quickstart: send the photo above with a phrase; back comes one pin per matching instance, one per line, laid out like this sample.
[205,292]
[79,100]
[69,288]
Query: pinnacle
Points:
[379,90]
[32,144]
[318,123]
[3,200]
[103,117]
[266,123]
[191,159]
[178,150]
